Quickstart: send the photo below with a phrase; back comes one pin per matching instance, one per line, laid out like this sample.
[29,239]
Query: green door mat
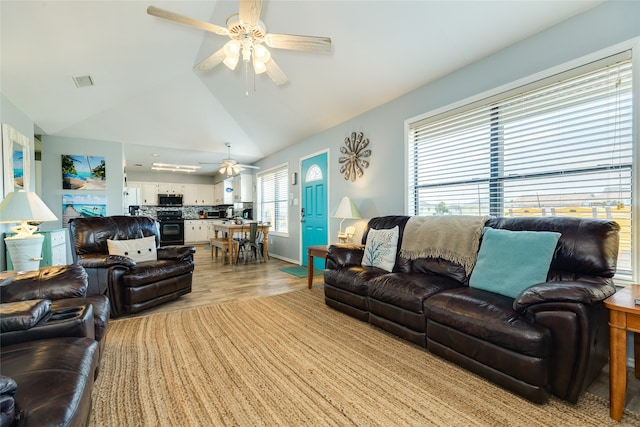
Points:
[301,271]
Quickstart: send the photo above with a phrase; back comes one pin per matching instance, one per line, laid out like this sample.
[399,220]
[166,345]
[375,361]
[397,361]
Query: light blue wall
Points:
[11,115]
[381,190]
[53,147]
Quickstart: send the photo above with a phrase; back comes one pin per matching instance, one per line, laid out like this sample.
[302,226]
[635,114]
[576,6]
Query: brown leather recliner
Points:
[131,286]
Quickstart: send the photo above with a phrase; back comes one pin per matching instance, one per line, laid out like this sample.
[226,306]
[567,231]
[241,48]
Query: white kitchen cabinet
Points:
[224,192]
[196,231]
[205,194]
[134,184]
[170,188]
[243,188]
[198,195]
[218,193]
[190,195]
[149,193]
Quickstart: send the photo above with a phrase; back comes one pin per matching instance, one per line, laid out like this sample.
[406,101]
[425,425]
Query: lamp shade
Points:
[22,206]
[347,209]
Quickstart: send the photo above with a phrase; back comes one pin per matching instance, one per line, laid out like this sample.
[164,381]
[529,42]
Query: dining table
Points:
[228,229]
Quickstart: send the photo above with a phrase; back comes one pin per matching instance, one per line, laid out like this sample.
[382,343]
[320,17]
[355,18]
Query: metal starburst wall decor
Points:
[353,164]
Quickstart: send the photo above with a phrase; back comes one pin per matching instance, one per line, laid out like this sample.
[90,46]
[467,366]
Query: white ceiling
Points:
[147,96]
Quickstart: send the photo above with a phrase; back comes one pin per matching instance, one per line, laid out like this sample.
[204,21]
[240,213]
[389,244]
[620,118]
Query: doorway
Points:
[313,211]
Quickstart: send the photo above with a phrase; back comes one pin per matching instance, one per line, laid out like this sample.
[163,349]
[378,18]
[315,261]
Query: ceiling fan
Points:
[230,166]
[247,34]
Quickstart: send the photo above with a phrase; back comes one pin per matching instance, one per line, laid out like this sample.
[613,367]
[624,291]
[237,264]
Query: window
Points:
[273,203]
[561,146]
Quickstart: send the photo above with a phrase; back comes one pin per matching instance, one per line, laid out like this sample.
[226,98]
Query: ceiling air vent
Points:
[83,81]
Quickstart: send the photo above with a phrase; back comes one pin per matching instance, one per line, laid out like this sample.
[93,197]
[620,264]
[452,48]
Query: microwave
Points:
[169,199]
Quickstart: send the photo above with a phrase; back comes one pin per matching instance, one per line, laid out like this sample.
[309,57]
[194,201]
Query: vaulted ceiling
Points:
[147,96]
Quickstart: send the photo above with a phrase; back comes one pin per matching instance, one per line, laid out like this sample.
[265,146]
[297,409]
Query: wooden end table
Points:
[624,315]
[314,251]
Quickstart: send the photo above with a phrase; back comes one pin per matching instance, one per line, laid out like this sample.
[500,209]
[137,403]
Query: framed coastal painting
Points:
[80,205]
[83,172]
[15,160]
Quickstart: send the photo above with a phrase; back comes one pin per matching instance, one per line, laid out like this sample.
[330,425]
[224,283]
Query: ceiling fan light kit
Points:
[247,33]
[229,166]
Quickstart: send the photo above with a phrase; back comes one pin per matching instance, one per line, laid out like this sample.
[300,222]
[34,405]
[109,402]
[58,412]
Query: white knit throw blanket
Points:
[455,238]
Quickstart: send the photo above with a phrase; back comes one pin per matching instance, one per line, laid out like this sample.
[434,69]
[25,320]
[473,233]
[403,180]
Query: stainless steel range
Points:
[171,227]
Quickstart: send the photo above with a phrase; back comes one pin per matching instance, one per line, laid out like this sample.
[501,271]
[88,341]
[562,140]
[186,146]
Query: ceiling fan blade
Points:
[211,61]
[250,11]
[165,14]
[293,42]
[275,73]
[247,166]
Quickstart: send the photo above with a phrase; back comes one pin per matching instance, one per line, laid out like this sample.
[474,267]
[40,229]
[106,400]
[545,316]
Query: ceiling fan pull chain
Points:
[246,78]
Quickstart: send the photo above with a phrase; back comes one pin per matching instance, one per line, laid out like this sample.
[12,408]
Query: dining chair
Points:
[251,245]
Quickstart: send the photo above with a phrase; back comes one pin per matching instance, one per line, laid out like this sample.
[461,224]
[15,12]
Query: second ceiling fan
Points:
[230,166]
[248,36]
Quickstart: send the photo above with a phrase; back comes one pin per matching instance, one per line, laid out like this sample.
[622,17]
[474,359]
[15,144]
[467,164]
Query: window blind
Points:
[560,147]
[273,204]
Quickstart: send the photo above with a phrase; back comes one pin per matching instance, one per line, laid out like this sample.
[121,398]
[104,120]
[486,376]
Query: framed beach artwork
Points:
[83,206]
[15,160]
[83,172]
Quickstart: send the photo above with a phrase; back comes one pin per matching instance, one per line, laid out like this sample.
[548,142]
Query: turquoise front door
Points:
[313,211]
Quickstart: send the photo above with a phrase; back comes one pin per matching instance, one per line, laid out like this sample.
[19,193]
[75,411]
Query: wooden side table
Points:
[624,315]
[314,251]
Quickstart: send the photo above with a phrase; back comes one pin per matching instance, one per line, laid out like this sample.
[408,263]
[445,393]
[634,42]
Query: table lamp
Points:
[346,210]
[25,248]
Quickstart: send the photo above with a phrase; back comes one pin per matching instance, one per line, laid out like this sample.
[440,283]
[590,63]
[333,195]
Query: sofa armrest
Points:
[105,261]
[58,282]
[176,252]
[22,315]
[344,256]
[563,291]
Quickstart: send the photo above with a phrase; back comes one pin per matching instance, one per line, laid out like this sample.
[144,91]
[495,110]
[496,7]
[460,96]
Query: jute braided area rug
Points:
[289,360]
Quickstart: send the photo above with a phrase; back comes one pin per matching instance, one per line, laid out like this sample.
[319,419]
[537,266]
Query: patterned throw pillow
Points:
[138,250]
[380,250]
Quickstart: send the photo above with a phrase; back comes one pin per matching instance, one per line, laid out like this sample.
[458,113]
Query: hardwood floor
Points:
[215,282]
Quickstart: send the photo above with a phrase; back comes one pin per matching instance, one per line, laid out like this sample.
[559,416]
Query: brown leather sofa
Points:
[551,339]
[131,286]
[50,346]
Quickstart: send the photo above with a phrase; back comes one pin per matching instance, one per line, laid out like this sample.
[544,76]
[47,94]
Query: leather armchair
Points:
[131,286]
[63,290]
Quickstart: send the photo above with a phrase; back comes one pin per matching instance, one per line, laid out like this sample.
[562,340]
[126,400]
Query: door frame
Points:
[302,256]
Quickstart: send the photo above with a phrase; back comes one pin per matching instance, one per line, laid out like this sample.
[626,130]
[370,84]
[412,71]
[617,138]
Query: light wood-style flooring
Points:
[215,282]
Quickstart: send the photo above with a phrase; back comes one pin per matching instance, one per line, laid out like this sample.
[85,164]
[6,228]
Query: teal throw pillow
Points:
[511,261]
[380,249]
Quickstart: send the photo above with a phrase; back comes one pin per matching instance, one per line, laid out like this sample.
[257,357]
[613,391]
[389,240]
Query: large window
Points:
[562,146]
[273,199]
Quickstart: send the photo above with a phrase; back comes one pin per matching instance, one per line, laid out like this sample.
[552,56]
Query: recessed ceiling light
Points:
[156,155]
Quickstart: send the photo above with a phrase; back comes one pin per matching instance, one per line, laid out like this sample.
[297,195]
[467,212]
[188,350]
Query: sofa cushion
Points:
[488,317]
[353,279]
[511,261]
[139,250]
[54,377]
[381,248]
[408,290]
[153,271]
